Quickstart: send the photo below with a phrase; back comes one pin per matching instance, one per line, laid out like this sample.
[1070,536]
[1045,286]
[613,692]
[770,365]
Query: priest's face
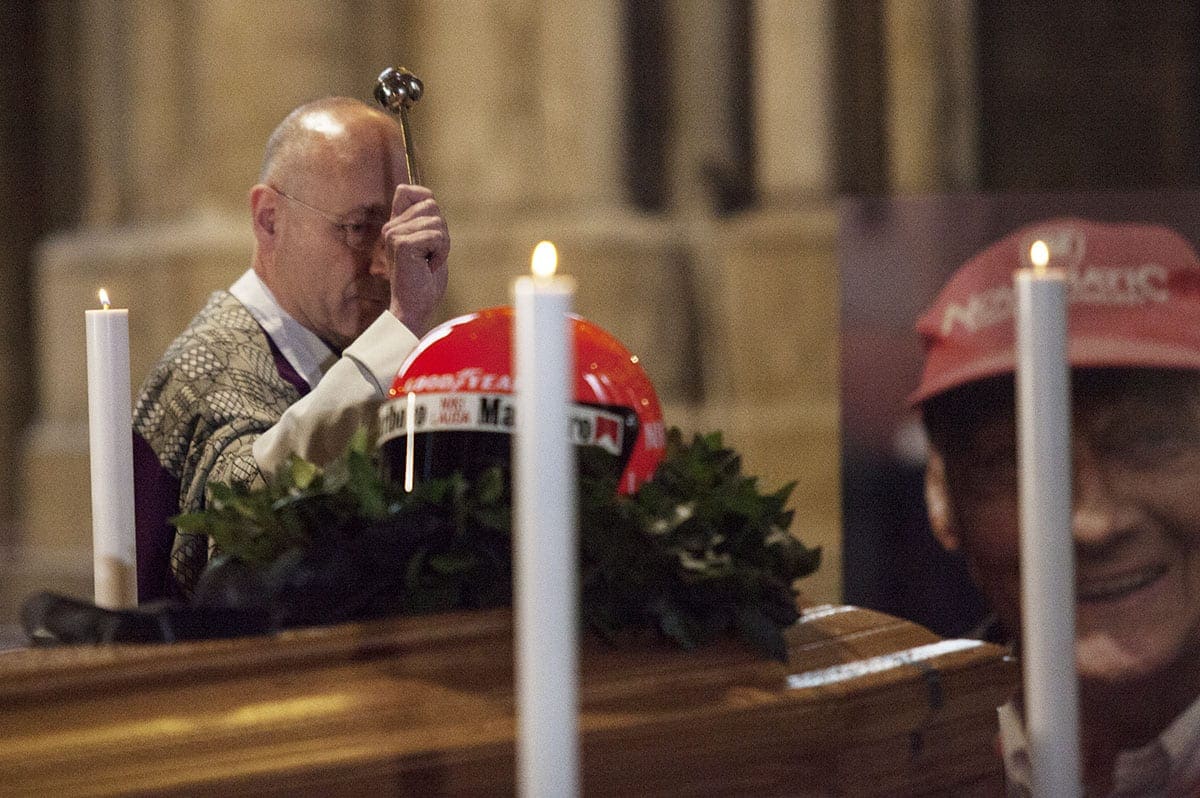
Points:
[330,270]
[1135,522]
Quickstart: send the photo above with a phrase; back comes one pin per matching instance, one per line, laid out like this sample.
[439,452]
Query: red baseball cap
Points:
[1133,301]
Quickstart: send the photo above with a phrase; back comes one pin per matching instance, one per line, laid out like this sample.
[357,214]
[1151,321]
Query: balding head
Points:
[319,129]
[331,166]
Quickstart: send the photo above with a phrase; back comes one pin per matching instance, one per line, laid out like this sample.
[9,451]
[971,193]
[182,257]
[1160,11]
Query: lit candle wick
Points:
[103,298]
[1039,256]
[545,260]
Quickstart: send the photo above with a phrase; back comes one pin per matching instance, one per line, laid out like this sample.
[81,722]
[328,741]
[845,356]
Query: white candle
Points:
[1047,551]
[546,613]
[410,446]
[110,437]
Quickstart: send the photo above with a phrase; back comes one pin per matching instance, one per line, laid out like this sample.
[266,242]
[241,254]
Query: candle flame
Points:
[103,295]
[1039,256]
[545,259]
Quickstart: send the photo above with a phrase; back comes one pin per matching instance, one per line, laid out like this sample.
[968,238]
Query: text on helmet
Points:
[496,412]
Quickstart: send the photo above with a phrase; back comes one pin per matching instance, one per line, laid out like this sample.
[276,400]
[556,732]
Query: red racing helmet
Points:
[456,390]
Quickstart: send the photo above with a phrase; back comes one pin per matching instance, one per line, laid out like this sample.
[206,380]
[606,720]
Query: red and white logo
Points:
[492,412]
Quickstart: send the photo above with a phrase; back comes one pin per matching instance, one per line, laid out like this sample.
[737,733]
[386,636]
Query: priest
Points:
[349,261]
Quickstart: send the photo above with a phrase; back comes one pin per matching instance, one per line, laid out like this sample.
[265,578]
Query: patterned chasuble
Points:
[219,385]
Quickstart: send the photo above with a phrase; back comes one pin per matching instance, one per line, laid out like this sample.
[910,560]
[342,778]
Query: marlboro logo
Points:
[607,433]
[495,412]
[593,427]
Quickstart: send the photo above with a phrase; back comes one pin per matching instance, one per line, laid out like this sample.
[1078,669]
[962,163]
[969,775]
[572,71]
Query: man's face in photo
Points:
[1136,518]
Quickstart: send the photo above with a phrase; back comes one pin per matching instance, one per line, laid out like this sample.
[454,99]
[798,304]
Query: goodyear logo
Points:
[468,379]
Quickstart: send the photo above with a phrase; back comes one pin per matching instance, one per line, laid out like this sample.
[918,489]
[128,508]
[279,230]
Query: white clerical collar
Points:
[308,354]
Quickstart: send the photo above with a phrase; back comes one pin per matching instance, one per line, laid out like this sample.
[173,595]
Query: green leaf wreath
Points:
[696,553]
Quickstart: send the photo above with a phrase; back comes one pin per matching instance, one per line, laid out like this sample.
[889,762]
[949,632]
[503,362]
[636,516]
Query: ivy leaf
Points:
[698,552]
[301,473]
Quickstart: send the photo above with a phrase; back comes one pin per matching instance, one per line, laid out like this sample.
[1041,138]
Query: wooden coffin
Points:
[866,705]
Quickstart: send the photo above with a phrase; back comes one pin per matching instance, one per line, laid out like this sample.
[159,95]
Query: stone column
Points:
[702,128]
[531,119]
[932,112]
[580,77]
[793,83]
[765,277]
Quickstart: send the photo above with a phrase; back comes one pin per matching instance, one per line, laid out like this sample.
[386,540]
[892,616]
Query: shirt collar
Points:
[1166,765]
[1017,770]
[1182,743]
[302,348]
